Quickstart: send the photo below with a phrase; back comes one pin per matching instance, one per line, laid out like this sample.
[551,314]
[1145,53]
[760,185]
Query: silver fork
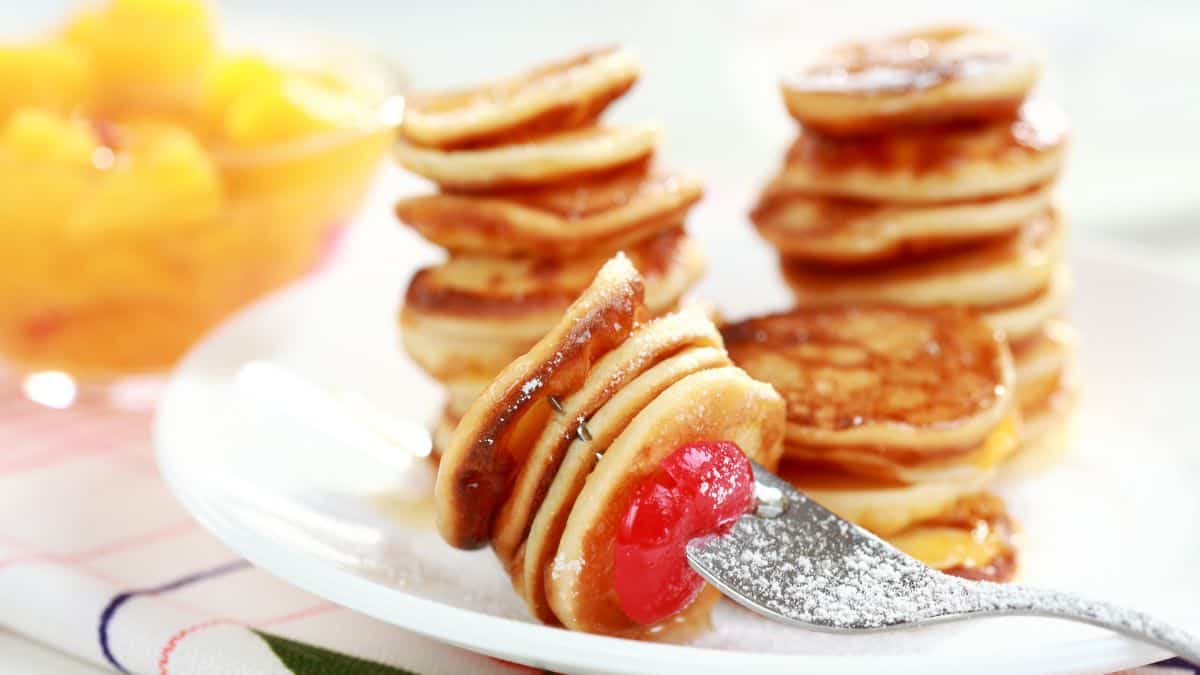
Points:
[794,561]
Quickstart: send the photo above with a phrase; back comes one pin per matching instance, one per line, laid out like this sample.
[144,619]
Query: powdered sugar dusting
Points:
[811,567]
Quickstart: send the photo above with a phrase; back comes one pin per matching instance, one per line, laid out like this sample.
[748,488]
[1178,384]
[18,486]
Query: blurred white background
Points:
[1126,73]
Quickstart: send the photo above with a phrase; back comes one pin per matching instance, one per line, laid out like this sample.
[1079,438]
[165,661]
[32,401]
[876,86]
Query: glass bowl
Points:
[130,295]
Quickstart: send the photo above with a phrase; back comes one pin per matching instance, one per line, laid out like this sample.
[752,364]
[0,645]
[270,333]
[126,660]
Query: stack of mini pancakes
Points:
[896,419]
[544,462]
[534,196]
[922,177]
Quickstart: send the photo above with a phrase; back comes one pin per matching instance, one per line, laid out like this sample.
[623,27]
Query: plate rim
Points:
[496,636]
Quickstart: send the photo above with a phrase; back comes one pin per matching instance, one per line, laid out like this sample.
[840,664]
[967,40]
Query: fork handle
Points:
[1015,599]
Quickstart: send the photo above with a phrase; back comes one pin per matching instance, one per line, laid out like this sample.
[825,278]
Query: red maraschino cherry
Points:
[699,489]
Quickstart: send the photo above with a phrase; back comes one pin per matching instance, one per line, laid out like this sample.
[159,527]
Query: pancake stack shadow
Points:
[534,195]
[915,225]
[922,176]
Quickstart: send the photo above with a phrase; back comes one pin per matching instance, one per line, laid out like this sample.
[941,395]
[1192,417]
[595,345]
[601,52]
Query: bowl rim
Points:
[378,77]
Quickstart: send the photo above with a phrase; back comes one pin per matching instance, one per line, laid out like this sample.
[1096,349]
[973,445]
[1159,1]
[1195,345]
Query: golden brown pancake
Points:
[933,74]
[948,525]
[478,467]
[1046,395]
[649,344]
[443,430]
[714,404]
[559,95]
[930,164]
[883,506]
[462,392]
[533,560]
[577,217]
[543,160]
[972,539]
[993,276]
[820,230]
[885,392]
[1024,320]
[472,315]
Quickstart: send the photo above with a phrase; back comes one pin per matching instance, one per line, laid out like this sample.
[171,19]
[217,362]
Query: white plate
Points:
[1119,519]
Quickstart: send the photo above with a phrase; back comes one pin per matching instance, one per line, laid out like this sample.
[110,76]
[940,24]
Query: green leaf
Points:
[305,659]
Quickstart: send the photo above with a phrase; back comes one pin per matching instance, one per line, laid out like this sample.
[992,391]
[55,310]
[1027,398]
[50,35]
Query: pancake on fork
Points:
[544,463]
[470,316]
[997,275]
[601,212]
[559,95]
[888,393]
[968,160]
[934,74]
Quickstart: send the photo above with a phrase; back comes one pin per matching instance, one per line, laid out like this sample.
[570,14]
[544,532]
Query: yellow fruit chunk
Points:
[296,107]
[51,75]
[232,77]
[149,53]
[40,136]
[161,184]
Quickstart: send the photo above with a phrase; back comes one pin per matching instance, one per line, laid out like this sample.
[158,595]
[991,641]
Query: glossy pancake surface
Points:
[534,560]
[715,404]
[928,75]
[537,161]
[646,346]
[875,388]
[995,275]
[575,217]
[558,95]
[477,469]
[934,164]
[842,232]
[470,316]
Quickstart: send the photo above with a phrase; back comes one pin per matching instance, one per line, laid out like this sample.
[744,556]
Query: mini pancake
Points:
[1042,362]
[1046,394]
[994,276]
[972,539]
[883,507]
[462,392]
[1024,320]
[714,404]
[830,231]
[933,74]
[931,164]
[559,95]
[477,468]
[1045,433]
[597,213]
[646,346]
[443,430]
[472,315]
[885,392]
[533,561]
[539,161]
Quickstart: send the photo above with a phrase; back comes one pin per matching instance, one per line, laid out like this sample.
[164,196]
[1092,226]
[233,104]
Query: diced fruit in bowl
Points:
[52,76]
[156,50]
[151,182]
